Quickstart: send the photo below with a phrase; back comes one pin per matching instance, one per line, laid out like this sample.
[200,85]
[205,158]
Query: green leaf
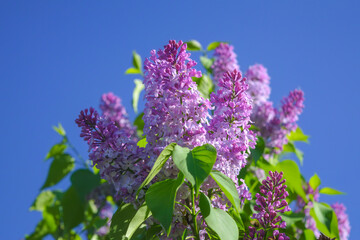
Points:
[84,181]
[213,45]
[308,235]
[292,218]
[139,123]
[120,221]
[152,231]
[59,168]
[325,218]
[330,191]
[228,187]
[55,150]
[139,86]
[205,85]
[142,143]
[193,45]
[41,230]
[73,208]
[290,147]
[259,149]
[298,135]
[218,220]
[206,62]
[236,216]
[44,199]
[60,130]
[160,198]
[314,181]
[159,163]
[141,215]
[133,71]
[196,165]
[136,61]
[291,174]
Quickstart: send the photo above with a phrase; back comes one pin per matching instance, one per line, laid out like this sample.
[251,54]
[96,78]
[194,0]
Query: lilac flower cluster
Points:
[175,110]
[343,220]
[225,60]
[114,111]
[271,201]
[113,147]
[258,80]
[229,128]
[275,124]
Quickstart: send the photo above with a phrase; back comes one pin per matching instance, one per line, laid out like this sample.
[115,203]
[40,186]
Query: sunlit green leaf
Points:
[218,220]
[44,199]
[139,86]
[325,219]
[141,215]
[59,168]
[228,187]
[290,148]
[213,45]
[193,45]
[298,135]
[159,163]
[55,150]
[136,61]
[314,181]
[60,130]
[120,221]
[160,198]
[133,71]
[195,164]
[206,62]
[142,143]
[330,191]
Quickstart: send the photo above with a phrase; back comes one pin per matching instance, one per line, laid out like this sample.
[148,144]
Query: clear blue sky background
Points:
[58,57]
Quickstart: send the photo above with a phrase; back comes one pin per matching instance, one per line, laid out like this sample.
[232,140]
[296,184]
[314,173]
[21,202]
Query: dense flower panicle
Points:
[343,220]
[271,201]
[258,80]
[275,124]
[94,129]
[229,128]
[225,60]
[175,110]
[114,151]
[114,111]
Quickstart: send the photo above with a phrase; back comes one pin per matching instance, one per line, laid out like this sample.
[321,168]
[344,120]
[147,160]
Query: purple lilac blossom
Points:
[114,111]
[258,80]
[175,110]
[114,151]
[343,220]
[225,60]
[229,130]
[271,201]
[275,124]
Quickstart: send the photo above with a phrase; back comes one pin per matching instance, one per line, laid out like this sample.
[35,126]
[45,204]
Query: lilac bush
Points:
[200,162]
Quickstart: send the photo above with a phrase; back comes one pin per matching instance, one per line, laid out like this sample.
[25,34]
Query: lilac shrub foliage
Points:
[220,158]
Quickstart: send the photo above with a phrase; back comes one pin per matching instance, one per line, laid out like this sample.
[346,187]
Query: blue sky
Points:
[58,57]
